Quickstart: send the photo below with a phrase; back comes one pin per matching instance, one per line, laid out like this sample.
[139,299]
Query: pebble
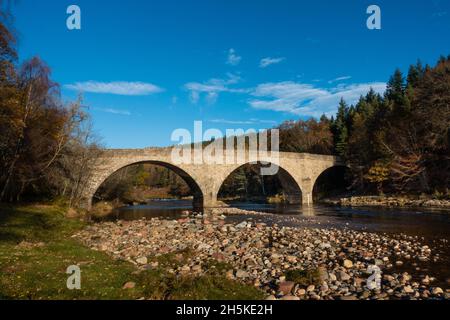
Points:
[301,292]
[196,268]
[261,253]
[129,285]
[286,287]
[241,274]
[436,291]
[348,264]
[142,260]
[344,276]
[408,289]
[310,288]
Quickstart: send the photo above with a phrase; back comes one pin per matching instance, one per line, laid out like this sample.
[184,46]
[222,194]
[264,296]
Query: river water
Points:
[432,227]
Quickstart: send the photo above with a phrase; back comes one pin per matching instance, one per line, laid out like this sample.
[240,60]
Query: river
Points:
[432,227]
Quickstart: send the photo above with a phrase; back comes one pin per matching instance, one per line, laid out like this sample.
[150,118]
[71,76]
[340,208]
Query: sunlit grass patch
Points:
[36,248]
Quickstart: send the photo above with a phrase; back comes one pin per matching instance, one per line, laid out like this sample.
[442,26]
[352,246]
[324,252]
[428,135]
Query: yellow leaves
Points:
[378,173]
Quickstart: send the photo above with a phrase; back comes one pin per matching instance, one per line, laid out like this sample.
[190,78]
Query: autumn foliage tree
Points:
[309,136]
[400,141]
[397,142]
[38,133]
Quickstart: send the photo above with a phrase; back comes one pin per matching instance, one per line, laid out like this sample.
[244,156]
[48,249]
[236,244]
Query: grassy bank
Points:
[36,248]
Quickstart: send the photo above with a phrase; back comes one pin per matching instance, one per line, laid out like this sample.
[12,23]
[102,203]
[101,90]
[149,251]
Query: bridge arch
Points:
[299,172]
[195,188]
[291,188]
[331,181]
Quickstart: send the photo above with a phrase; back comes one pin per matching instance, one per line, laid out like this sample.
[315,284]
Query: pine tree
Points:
[340,129]
[395,91]
[415,74]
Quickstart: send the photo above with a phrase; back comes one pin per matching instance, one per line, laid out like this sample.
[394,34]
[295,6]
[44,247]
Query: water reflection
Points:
[435,223]
[166,209]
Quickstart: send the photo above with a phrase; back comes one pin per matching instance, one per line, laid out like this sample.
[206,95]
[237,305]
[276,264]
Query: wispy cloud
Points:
[117,88]
[114,111]
[242,122]
[307,100]
[265,62]
[440,14]
[312,40]
[233,59]
[212,88]
[343,78]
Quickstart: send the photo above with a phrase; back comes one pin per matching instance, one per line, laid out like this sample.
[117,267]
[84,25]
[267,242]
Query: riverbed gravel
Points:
[262,255]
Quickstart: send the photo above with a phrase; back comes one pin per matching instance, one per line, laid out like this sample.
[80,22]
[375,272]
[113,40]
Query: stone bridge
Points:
[297,172]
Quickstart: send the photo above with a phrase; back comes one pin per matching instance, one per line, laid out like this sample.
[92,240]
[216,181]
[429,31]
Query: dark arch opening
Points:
[139,182]
[246,184]
[333,182]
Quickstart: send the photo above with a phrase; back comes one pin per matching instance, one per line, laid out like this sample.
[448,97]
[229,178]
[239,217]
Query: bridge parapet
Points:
[299,171]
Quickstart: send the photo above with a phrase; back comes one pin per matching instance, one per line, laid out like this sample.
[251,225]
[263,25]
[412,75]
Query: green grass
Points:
[36,248]
[303,277]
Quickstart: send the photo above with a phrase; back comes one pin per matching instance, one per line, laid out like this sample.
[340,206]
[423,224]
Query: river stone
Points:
[197,268]
[241,274]
[388,278]
[290,297]
[408,289]
[426,280]
[437,291]
[291,259]
[301,292]
[348,298]
[185,269]
[142,260]
[323,274]
[324,245]
[310,288]
[129,285]
[378,262]
[286,287]
[344,276]
[348,264]
[324,288]
[242,225]
[249,252]
[229,274]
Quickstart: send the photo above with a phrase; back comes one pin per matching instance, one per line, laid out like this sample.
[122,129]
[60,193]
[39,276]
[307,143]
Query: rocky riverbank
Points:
[389,201]
[287,263]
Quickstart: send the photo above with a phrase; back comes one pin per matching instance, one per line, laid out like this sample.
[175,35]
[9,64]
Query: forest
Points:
[396,143]
[47,147]
[393,143]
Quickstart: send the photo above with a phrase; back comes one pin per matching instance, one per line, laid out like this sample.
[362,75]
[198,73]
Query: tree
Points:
[415,74]
[396,87]
[306,136]
[340,129]
[47,148]
[36,129]
[378,173]
[420,142]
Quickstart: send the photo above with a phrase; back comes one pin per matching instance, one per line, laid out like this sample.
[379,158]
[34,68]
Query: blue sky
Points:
[147,68]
